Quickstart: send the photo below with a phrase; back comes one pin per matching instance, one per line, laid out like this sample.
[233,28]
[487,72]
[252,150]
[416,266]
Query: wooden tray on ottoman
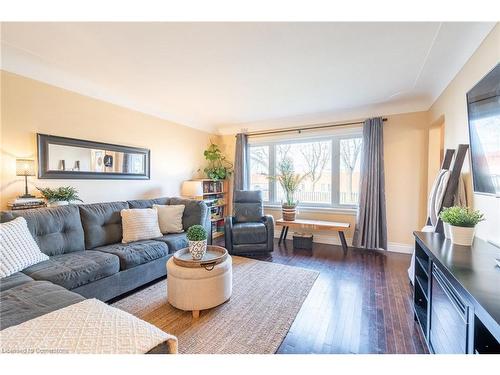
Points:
[213,256]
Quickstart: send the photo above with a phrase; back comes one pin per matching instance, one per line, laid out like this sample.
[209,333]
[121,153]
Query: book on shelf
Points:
[25,203]
[213,187]
[217,229]
[214,197]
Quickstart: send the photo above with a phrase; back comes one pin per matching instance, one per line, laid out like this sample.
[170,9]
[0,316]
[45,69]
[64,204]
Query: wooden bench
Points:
[313,225]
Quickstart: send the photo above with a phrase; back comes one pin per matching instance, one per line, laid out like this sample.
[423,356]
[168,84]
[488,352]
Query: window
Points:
[331,165]
[259,170]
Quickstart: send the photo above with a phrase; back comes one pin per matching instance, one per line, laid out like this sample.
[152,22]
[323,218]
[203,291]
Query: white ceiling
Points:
[225,76]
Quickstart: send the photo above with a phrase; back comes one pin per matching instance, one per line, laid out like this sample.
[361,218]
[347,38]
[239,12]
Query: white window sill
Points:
[329,210]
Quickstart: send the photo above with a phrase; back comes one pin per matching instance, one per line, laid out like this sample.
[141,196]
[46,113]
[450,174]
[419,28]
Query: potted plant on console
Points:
[462,223]
[197,237]
[290,182]
[60,196]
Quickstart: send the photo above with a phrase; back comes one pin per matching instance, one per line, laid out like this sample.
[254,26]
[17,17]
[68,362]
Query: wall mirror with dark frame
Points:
[69,158]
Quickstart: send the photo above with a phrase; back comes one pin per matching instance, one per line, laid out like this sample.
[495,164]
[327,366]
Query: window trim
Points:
[335,140]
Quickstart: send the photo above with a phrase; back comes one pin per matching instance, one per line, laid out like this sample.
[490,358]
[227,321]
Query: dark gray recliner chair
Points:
[249,230]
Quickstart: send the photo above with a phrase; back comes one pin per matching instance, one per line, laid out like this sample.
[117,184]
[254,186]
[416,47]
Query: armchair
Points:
[248,230]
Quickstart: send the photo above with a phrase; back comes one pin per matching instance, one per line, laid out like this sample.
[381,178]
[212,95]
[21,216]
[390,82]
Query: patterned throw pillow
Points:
[18,249]
[140,224]
[170,217]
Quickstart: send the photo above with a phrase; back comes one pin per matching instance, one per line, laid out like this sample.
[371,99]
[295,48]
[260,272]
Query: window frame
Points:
[334,140]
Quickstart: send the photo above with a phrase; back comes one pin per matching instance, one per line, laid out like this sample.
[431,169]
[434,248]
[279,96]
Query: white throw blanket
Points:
[434,205]
[436,196]
[88,327]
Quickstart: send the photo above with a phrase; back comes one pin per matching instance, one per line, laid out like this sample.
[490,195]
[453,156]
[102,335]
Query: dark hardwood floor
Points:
[360,303]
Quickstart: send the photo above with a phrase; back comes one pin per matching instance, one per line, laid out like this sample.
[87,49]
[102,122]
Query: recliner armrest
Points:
[228,232]
[268,221]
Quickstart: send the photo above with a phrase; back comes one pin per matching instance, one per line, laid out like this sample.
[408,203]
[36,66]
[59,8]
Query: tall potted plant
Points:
[462,223]
[197,237]
[290,182]
[60,196]
[218,167]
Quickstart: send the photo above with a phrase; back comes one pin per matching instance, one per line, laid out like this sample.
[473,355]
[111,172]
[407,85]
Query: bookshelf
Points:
[215,196]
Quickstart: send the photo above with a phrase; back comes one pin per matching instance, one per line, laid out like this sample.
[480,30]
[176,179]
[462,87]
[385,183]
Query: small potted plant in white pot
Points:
[197,237]
[290,182]
[61,196]
[462,223]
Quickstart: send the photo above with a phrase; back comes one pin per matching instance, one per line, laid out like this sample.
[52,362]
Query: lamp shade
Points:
[25,167]
[192,189]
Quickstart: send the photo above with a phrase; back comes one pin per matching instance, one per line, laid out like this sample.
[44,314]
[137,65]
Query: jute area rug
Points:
[265,301]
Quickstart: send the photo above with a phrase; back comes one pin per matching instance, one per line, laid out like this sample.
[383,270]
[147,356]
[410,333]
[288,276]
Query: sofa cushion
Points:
[14,280]
[18,249]
[170,217]
[175,241]
[33,299]
[148,203]
[195,212]
[136,253]
[75,269]
[102,223]
[140,224]
[249,233]
[56,230]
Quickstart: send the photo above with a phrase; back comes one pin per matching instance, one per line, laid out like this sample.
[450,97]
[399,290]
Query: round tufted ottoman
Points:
[199,288]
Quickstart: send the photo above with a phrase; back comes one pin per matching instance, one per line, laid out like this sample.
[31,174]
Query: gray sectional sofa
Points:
[87,258]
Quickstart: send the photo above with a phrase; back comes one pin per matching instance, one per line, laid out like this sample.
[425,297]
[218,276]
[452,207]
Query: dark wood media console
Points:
[457,295]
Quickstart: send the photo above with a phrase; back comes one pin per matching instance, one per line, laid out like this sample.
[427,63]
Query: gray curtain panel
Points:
[240,177]
[371,225]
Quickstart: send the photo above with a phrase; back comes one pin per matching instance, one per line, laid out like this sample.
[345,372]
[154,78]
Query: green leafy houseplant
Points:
[218,167]
[61,194]
[289,180]
[460,224]
[197,233]
[461,216]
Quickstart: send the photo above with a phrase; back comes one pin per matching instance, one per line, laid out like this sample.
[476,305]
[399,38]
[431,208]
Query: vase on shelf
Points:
[446,230]
[462,235]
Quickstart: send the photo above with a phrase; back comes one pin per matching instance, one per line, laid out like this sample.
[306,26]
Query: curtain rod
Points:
[299,129]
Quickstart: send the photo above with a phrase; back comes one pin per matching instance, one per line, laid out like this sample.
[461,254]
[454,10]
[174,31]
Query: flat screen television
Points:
[483,106]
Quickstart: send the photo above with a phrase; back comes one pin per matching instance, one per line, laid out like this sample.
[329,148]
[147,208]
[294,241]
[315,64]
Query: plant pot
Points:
[462,235]
[447,230]
[57,203]
[198,249]
[288,212]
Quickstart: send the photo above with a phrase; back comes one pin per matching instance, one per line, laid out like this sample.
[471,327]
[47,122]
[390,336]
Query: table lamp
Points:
[25,167]
[192,189]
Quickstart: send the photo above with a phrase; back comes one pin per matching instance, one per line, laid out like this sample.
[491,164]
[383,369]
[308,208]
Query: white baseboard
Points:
[334,240]
[396,247]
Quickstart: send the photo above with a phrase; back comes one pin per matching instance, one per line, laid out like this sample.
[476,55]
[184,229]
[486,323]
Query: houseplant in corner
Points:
[197,237]
[60,196]
[462,223]
[290,182]
[218,167]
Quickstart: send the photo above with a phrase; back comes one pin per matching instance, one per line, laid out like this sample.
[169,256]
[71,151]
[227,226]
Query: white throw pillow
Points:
[140,224]
[18,248]
[170,217]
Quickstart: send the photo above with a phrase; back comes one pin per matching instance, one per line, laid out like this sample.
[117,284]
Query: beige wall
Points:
[452,107]
[29,107]
[405,149]
[435,141]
